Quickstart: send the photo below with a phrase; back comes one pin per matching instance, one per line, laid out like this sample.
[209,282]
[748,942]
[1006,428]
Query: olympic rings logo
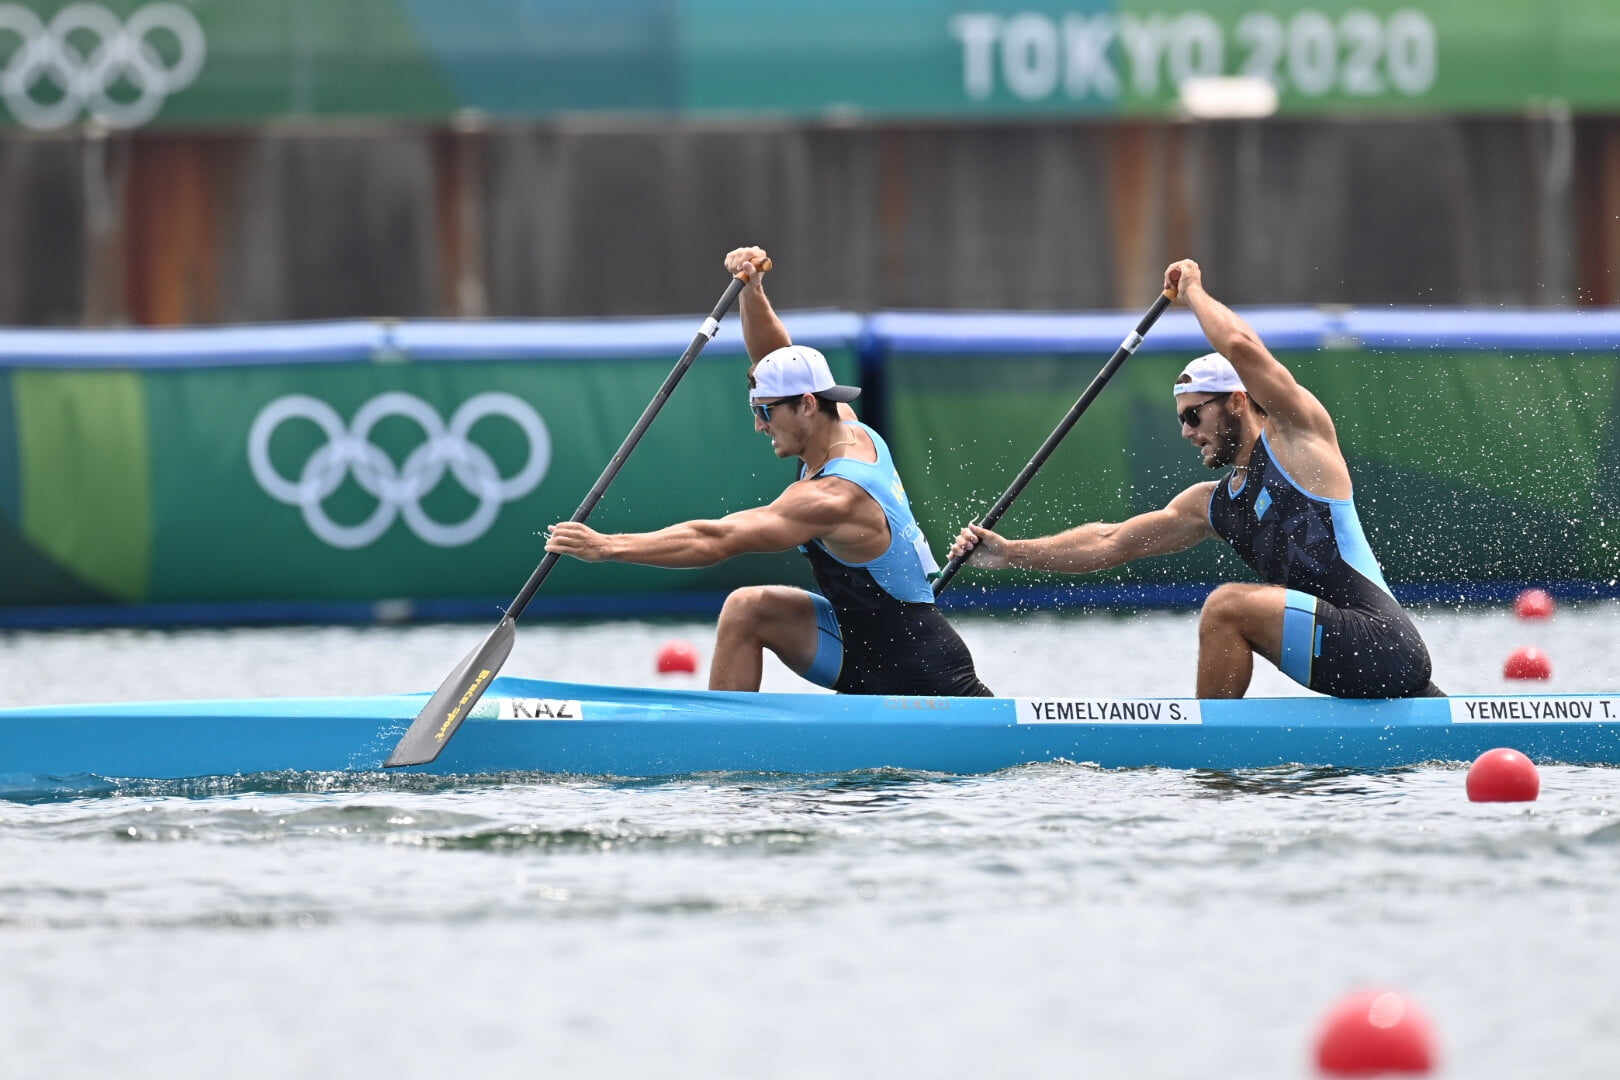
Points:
[398,489]
[123,54]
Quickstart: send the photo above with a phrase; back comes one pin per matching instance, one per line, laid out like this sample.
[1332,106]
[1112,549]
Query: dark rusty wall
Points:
[328,228]
[636,223]
[43,243]
[537,221]
[1408,212]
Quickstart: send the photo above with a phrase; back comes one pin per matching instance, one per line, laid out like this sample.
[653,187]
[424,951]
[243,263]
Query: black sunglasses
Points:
[1189,415]
[762,409]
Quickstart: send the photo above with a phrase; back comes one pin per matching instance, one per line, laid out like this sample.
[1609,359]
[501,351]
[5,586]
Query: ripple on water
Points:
[1052,917]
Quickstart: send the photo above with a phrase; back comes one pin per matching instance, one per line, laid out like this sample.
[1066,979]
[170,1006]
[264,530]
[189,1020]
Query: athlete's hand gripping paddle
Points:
[430,732]
[1121,354]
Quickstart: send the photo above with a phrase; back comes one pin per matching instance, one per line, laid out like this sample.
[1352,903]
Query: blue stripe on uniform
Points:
[829,661]
[1299,643]
[1353,546]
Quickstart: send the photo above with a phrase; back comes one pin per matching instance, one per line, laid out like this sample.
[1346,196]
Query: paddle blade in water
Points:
[449,706]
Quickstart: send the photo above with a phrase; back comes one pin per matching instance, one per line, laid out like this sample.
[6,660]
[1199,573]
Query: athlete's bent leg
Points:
[757,618]
[1237,622]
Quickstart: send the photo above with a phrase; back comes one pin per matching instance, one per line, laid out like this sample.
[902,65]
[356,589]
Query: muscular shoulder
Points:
[1194,500]
[827,499]
[1187,515]
[1312,457]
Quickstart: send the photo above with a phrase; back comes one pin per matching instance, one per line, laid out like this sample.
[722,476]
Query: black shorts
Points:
[1371,652]
[912,652]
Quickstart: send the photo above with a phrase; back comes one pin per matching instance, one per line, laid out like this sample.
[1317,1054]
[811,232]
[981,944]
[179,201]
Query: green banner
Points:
[1468,466]
[129,63]
[365,481]
[333,463]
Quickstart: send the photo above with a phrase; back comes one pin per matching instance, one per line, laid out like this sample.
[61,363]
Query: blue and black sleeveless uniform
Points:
[1344,634]
[880,630]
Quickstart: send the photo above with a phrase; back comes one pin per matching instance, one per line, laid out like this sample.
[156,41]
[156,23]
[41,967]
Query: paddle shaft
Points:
[706,333]
[1121,354]
[440,718]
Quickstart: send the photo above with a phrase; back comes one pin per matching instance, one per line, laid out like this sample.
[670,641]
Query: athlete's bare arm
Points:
[830,509]
[1097,545]
[762,330]
[1267,381]
[1297,424]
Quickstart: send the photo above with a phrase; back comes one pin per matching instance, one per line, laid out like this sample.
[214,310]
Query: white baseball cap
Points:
[1211,373]
[797,369]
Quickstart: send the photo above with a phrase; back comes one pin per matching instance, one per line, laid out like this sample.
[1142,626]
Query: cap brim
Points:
[840,393]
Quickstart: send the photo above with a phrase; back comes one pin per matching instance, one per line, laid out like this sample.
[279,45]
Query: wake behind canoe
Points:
[528,725]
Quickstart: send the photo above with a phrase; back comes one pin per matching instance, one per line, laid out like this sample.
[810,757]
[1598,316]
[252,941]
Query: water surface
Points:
[1048,920]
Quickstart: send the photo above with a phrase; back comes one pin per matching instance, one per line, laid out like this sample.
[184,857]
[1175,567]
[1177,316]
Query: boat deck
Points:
[528,725]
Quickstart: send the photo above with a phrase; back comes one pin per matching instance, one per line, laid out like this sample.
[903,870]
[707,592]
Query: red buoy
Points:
[677,656]
[1527,662]
[1534,604]
[1375,1031]
[1503,775]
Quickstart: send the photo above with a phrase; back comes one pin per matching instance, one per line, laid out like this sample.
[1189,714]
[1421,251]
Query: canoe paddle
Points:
[430,732]
[1126,348]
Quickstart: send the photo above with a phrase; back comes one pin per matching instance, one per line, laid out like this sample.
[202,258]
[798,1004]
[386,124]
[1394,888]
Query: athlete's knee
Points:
[745,607]
[1227,607]
[759,609]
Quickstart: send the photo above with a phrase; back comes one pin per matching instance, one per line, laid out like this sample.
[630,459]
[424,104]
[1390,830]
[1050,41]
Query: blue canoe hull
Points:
[526,725]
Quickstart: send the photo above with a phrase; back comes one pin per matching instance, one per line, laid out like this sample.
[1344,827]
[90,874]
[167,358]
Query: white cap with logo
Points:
[1211,373]
[797,369]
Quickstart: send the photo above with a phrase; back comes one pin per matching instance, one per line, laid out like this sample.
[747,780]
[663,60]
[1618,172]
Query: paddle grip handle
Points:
[705,333]
[1121,354]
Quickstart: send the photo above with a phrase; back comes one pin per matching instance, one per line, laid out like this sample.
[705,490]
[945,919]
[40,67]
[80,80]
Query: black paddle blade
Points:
[449,706]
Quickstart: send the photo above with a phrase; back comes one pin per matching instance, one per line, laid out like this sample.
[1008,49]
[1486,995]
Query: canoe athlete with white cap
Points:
[872,627]
[1324,616]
